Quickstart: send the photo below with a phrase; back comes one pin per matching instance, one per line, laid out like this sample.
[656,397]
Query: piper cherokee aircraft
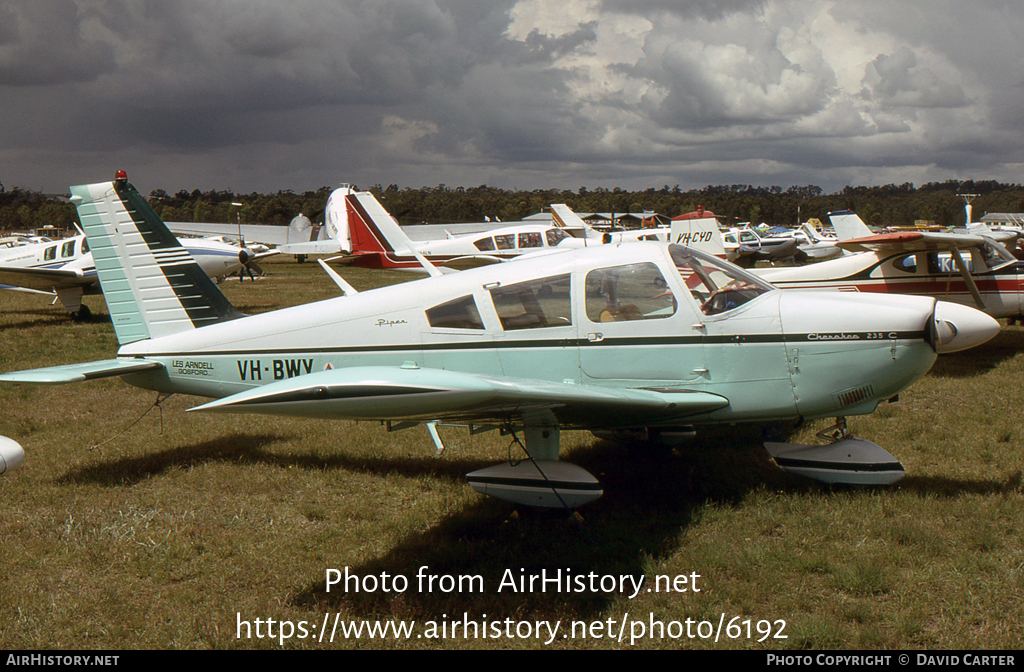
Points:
[379,242]
[699,232]
[65,267]
[643,336]
[963,268]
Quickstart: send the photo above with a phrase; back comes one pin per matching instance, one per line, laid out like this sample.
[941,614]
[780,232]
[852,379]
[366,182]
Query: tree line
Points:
[887,205]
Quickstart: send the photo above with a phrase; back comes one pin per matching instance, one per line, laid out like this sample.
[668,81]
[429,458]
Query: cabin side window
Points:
[555,236]
[68,248]
[458,314]
[506,242]
[50,253]
[531,239]
[545,302]
[484,244]
[629,292]
[943,263]
[906,264]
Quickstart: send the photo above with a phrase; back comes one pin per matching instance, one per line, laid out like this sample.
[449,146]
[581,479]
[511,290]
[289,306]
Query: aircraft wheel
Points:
[82,315]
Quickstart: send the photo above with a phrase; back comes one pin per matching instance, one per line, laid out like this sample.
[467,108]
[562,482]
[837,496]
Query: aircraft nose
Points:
[956,327]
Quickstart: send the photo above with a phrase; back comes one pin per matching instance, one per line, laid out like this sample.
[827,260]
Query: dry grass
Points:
[159,537]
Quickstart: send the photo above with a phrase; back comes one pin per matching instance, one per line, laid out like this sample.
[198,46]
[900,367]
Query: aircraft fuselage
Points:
[624,317]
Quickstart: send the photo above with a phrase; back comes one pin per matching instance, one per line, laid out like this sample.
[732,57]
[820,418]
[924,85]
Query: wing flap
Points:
[76,373]
[393,393]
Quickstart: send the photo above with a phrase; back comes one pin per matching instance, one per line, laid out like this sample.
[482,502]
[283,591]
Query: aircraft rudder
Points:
[152,285]
[372,228]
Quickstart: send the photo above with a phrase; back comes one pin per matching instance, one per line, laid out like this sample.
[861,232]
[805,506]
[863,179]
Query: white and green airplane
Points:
[641,337]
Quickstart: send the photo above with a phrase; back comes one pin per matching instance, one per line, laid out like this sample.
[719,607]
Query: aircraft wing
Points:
[44,279]
[925,241]
[912,241]
[424,394]
[253,233]
[471,261]
[75,373]
[311,247]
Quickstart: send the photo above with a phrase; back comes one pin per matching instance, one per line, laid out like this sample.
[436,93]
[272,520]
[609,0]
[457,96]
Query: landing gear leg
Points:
[836,432]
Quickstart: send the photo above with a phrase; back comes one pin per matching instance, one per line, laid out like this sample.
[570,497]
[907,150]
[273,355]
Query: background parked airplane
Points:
[301,237]
[65,269]
[969,269]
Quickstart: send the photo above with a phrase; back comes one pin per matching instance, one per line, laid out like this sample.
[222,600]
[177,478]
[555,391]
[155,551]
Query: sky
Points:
[261,95]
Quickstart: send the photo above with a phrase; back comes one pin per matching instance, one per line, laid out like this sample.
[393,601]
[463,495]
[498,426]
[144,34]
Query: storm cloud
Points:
[257,95]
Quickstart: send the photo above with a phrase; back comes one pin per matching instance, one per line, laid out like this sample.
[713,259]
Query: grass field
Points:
[167,533]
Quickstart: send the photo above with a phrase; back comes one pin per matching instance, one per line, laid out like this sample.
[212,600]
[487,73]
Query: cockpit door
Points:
[637,323]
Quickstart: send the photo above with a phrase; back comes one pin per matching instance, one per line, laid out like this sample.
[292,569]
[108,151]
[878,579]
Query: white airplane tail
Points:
[702,234]
[848,225]
[373,229]
[152,285]
[331,238]
[563,216]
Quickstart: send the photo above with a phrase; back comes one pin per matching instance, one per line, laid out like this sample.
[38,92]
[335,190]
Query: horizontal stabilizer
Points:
[851,460]
[312,247]
[76,373]
[412,393]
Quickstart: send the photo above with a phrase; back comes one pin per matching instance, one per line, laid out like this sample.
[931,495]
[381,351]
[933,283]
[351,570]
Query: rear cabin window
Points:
[628,292]
[536,304]
[555,236]
[50,253]
[458,314]
[484,244]
[907,264]
[531,239]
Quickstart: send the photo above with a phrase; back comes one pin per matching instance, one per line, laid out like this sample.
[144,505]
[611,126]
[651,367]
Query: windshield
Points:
[996,255]
[716,285]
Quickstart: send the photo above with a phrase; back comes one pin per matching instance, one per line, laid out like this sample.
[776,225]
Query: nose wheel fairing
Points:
[850,460]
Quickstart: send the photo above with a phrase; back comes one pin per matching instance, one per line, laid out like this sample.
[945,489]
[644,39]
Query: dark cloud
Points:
[255,94]
[896,81]
[41,44]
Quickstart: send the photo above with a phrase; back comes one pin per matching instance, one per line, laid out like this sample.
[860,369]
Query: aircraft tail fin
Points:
[152,285]
[563,216]
[372,228]
[848,225]
[702,234]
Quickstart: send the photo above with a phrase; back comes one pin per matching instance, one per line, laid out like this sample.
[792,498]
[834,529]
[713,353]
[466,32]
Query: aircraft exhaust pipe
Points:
[956,327]
[11,454]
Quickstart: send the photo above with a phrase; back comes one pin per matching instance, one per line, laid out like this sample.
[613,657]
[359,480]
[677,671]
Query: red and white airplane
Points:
[964,268]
